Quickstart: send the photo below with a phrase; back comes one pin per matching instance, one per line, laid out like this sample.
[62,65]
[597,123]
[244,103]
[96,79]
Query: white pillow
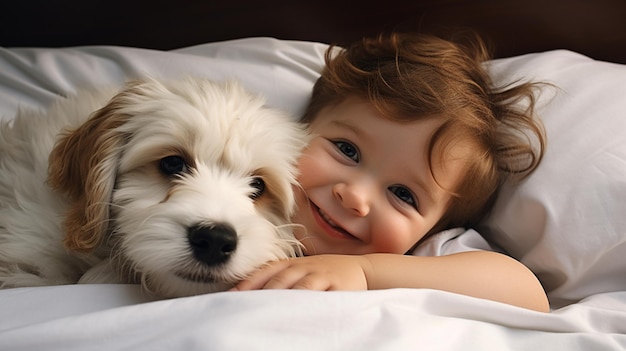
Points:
[567,221]
[283,71]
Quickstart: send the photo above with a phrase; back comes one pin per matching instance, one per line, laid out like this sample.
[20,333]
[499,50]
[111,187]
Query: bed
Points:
[566,222]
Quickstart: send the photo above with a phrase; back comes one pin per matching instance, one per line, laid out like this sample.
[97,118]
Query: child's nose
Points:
[353,198]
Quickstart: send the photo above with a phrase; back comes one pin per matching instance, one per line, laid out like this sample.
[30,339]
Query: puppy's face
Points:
[202,190]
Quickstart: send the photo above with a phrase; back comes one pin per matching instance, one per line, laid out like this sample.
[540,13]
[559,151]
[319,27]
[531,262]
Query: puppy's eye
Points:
[259,187]
[172,165]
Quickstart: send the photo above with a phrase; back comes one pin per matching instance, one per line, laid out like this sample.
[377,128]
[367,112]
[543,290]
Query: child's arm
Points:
[480,274]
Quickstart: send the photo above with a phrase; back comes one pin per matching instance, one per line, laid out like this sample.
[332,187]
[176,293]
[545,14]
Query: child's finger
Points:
[260,278]
[312,282]
[289,277]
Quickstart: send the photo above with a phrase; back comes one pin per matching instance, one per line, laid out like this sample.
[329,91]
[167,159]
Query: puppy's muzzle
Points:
[212,244]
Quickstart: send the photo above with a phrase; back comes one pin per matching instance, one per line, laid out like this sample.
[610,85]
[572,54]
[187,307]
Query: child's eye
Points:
[348,149]
[404,194]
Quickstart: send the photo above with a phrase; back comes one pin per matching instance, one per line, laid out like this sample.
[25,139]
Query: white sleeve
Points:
[452,241]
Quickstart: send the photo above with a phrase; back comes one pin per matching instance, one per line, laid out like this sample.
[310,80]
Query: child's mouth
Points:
[327,219]
[330,226]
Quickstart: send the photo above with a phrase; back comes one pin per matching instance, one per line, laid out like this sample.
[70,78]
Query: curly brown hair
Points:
[408,77]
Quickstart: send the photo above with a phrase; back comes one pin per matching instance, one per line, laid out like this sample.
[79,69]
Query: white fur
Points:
[225,134]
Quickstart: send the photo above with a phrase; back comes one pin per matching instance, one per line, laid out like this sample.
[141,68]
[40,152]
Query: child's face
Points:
[368,183]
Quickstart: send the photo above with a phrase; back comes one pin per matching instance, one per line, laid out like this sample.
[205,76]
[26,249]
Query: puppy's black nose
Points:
[212,244]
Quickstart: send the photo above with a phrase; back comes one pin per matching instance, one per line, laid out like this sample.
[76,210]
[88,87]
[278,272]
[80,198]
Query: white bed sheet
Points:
[115,317]
[118,317]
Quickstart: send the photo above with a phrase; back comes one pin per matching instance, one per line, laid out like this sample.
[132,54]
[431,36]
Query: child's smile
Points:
[329,226]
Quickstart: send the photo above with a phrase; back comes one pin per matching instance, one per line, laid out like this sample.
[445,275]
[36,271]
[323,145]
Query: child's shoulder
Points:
[452,241]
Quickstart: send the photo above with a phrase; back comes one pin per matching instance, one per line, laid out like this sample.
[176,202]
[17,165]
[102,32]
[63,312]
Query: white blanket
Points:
[115,317]
[589,296]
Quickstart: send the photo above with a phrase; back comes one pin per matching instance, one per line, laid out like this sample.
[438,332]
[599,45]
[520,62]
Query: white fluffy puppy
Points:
[184,186]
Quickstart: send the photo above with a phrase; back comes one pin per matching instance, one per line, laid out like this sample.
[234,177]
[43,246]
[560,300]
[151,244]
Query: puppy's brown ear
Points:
[83,166]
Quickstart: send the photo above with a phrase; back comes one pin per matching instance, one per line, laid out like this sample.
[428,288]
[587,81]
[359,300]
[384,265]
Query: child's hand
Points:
[319,272]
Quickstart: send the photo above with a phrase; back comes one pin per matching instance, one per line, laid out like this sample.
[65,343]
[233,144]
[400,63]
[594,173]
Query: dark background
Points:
[596,28]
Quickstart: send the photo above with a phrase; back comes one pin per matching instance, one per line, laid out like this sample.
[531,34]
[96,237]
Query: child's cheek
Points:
[313,164]
[396,235]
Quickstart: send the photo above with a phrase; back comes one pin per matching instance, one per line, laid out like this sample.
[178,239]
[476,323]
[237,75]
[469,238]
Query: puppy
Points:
[184,186]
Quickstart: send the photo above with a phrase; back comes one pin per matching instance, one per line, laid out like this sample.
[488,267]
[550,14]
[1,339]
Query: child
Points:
[410,139]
